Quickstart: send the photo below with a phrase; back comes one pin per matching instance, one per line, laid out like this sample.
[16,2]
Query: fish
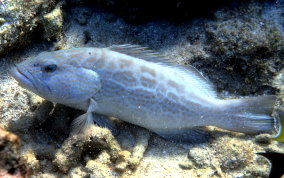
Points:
[275,160]
[279,136]
[143,88]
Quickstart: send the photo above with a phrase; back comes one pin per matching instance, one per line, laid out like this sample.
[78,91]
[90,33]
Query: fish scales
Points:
[147,90]
[139,87]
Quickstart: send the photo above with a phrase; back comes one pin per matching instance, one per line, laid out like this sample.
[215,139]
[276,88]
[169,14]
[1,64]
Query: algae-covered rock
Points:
[10,163]
[263,139]
[278,83]
[91,143]
[53,22]
[234,155]
[32,162]
[100,167]
[201,157]
[227,155]
[245,49]
[18,18]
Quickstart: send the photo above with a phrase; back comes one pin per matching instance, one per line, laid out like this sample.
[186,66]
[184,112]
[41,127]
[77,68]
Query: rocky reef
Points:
[239,46]
[20,18]
[11,164]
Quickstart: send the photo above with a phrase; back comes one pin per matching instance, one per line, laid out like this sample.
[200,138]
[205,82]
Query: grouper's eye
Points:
[50,68]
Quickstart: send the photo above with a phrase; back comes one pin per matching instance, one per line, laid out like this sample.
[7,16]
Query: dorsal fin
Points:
[196,78]
[139,52]
[200,81]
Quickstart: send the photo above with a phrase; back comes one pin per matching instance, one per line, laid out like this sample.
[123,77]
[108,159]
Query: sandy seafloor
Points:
[239,48]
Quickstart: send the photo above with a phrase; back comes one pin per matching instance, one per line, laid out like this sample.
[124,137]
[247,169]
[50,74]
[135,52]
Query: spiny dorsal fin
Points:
[139,52]
[196,78]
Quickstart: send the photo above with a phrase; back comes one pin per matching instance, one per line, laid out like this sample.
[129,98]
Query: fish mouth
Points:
[22,78]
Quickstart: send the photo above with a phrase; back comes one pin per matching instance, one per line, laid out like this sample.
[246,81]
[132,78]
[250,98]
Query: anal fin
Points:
[185,135]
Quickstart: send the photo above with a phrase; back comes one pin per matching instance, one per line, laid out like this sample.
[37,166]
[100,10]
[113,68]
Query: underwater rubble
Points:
[19,18]
[11,164]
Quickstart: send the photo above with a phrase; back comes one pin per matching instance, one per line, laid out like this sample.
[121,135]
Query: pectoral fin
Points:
[82,122]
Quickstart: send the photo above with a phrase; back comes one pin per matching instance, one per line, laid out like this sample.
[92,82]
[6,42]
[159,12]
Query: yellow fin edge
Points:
[280,135]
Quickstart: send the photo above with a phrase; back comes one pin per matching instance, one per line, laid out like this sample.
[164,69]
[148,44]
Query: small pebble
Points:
[2,20]
[186,165]
[263,139]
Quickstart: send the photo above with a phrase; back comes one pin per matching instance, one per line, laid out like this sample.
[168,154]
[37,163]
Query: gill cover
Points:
[73,85]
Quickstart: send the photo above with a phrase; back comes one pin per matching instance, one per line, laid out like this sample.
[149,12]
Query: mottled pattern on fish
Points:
[140,87]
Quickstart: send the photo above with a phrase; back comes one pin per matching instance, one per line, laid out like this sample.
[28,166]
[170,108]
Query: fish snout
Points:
[14,72]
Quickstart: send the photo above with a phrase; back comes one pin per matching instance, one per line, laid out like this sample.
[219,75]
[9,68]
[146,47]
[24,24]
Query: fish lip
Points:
[22,78]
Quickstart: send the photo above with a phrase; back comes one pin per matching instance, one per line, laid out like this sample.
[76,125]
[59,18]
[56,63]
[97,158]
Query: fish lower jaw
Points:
[21,78]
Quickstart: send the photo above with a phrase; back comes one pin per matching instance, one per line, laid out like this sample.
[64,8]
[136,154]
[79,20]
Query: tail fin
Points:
[280,132]
[251,115]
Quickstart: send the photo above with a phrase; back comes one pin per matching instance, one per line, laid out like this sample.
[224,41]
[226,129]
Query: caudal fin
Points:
[251,115]
[279,114]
